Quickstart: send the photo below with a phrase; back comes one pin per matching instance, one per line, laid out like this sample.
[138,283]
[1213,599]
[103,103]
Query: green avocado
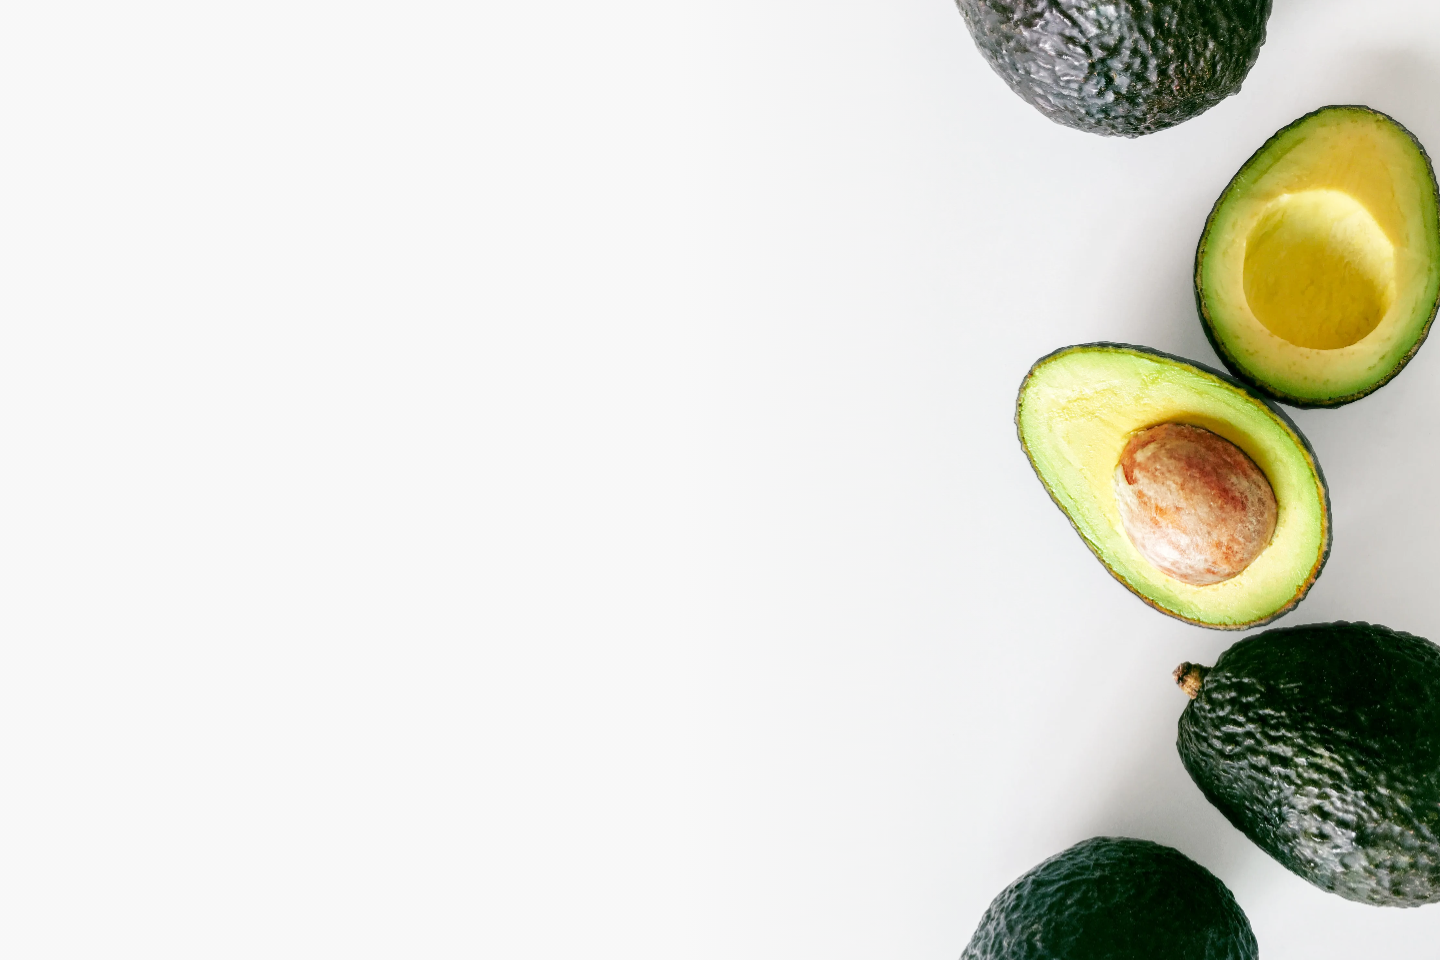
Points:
[1322,744]
[1124,68]
[1076,414]
[1113,898]
[1318,273]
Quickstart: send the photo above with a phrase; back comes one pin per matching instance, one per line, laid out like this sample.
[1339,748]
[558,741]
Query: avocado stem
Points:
[1190,676]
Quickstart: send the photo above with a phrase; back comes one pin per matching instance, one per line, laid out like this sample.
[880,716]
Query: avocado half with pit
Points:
[1195,492]
[1318,274]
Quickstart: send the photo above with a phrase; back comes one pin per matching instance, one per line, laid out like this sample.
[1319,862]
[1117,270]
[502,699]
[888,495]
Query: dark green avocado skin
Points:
[1322,744]
[1123,68]
[1112,898]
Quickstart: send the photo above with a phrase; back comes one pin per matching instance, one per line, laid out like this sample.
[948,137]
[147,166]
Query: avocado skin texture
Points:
[1119,69]
[1322,744]
[1112,898]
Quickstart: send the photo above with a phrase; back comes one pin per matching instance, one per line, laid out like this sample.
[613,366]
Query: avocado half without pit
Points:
[1318,274]
[1194,492]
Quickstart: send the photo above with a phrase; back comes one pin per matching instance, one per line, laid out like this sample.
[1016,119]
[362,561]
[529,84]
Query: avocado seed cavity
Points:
[1193,503]
[1319,271]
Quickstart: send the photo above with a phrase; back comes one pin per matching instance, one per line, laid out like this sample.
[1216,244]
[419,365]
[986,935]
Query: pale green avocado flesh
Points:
[1318,274]
[1076,410]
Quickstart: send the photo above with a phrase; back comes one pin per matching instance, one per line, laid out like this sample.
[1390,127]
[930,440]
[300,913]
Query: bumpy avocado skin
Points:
[1112,898]
[1322,744]
[1125,68]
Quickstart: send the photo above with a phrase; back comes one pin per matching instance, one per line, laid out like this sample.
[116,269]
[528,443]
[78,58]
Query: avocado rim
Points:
[1242,387]
[1206,322]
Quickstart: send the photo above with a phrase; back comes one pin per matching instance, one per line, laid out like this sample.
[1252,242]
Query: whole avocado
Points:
[1322,744]
[1112,898]
[1123,68]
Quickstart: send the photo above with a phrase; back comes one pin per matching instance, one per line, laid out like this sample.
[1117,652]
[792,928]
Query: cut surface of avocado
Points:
[1318,274]
[1078,408]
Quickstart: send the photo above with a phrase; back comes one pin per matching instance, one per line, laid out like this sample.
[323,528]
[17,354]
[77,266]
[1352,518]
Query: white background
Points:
[537,480]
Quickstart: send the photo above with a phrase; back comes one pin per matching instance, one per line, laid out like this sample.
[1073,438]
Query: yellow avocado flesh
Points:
[1319,269]
[1076,410]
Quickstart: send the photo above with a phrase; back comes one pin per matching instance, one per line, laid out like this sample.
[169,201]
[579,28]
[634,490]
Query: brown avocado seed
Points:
[1193,503]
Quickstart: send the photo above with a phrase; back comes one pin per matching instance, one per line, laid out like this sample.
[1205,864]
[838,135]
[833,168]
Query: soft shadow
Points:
[1396,81]
[1155,799]
[1165,310]
[1285,12]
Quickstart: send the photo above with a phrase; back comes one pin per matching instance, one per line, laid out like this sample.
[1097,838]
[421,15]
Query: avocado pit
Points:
[1192,503]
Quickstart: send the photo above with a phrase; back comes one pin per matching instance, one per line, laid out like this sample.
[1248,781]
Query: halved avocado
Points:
[1318,274]
[1078,408]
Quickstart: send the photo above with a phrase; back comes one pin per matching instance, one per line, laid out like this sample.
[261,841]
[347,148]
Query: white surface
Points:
[537,480]
[798,660]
